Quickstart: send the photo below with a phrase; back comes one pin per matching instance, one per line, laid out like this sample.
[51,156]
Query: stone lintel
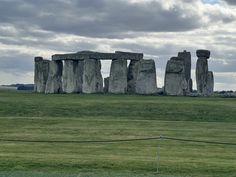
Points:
[41,59]
[98,56]
[129,55]
[202,53]
[37,59]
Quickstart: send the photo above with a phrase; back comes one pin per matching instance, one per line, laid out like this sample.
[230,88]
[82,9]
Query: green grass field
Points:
[29,116]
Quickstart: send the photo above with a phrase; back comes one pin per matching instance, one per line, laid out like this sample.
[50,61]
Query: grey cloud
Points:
[232,2]
[16,63]
[222,65]
[224,79]
[98,18]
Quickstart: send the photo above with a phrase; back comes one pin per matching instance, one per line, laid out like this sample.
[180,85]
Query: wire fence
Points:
[119,141]
[159,138]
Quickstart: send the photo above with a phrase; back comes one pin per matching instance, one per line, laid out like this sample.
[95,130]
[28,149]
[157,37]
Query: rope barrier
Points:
[118,140]
[199,141]
[80,142]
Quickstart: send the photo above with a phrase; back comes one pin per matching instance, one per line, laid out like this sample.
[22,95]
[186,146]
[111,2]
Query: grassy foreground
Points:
[25,115]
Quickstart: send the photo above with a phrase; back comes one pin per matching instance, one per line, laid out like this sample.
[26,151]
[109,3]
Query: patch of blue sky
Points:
[211,1]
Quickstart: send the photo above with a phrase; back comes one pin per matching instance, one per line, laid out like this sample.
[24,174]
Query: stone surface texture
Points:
[92,77]
[82,55]
[106,85]
[54,82]
[41,70]
[146,78]
[175,79]
[118,77]
[210,83]
[132,75]
[72,77]
[201,75]
[204,78]
[186,56]
[201,53]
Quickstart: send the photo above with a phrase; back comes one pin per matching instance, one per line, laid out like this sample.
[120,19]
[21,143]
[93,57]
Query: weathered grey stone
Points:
[92,77]
[54,82]
[129,55]
[187,63]
[132,76]
[118,76]
[175,81]
[190,85]
[41,70]
[201,53]
[146,78]
[38,59]
[202,71]
[175,84]
[175,65]
[72,76]
[204,78]
[210,83]
[98,56]
[106,85]
[186,56]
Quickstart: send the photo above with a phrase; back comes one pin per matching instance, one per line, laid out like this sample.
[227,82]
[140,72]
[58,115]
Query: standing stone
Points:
[132,76]
[175,81]
[54,82]
[92,77]
[106,85]
[186,56]
[190,86]
[146,77]
[72,76]
[118,76]
[202,71]
[210,83]
[41,69]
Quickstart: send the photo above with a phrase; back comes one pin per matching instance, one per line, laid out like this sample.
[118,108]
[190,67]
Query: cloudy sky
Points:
[157,28]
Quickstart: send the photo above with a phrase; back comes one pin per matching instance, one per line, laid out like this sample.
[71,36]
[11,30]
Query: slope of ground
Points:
[28,116]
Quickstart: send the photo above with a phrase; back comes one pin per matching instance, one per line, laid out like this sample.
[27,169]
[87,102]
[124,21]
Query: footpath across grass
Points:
[29,116]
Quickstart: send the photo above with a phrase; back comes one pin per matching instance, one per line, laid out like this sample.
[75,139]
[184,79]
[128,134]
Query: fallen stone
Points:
[118,77]
[41,70]
[54,82]
[146,78]
[92,77]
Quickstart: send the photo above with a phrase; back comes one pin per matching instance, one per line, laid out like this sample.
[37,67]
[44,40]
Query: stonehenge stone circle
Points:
[41,70]
[81,73]
[54,82]
[204,79]
[146,78]
[118,77]
[92,77]
[175,77]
